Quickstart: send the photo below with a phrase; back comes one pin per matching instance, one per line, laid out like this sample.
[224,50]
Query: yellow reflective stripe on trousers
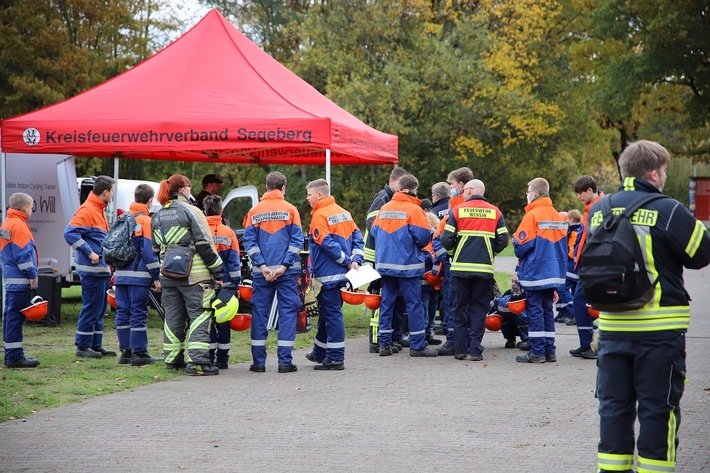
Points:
[695,239]
[646,465]
[173,347]
[615,461]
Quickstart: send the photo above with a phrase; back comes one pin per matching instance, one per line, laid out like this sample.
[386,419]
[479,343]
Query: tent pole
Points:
[114,200]
[327,166]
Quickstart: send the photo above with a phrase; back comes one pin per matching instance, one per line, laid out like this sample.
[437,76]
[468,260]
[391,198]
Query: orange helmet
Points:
[352,297]
[494,322]
[37,310]
[372,301]
[593,313]
[111,298]
[435,281]
[240,322]
[517,306]
[245,290]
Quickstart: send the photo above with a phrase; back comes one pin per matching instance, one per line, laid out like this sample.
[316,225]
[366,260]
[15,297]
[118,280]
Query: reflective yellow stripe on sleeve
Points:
[695,239]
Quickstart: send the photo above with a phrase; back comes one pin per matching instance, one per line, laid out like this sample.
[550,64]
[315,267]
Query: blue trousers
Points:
[585,323]
[285,288]
[471,301]
[566,296]
[514,325]
[410,290]
[447,302]
[90,326]
[650,374]
[330,337]
[12,324]
[220,342]
[541,321]
[131,317]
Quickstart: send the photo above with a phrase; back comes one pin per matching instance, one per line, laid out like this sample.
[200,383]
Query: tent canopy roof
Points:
[212,95]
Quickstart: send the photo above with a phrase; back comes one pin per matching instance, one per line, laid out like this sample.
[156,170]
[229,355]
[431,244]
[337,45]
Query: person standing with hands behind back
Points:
[85,234]
[19,270]
[187,300]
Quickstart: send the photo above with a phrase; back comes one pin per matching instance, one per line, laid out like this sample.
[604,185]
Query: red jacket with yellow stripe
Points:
[477,232]
[85,234]
[334,241]
[401,232]
[540,243]
[18,252]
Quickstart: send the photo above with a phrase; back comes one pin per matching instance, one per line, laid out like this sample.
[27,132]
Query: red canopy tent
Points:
[212,95]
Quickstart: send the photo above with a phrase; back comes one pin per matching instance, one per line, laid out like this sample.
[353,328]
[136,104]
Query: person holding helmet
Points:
[273,239]
[225,241]
[475,232]
[401,232]
[336,246]
[19,271]
[134,282]
[180,229]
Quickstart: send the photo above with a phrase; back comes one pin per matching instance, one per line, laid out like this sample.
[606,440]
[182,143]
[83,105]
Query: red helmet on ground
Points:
[494,322]
[111,298]
[37,310]
[240,322]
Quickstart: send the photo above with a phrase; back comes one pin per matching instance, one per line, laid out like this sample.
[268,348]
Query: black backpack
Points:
[118,247]
[612,269]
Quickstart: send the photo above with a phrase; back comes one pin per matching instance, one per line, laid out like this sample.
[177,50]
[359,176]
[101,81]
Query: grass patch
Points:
[63,379]
[508,251]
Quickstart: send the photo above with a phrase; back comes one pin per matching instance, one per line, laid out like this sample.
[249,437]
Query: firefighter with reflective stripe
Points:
[641,357]
[401,232]
[586,189]
[540,243]
[475,231]
[187,302]
[19,274]
[273,239]
[382,197]
[85,234]
[227,246]
[336,246]
[133,284]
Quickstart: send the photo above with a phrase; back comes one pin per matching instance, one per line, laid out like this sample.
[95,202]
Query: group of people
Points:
[640,353]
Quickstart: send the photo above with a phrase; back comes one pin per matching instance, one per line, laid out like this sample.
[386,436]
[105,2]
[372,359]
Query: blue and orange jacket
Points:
[334,242]
[18,252]
[85,233]
[401,232]
[540,243]
[476,232]
[145,268]
[574,239]
[227,245]
[273,235]
[382,197]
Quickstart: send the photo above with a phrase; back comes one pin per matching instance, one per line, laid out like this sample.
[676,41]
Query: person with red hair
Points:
[187,300]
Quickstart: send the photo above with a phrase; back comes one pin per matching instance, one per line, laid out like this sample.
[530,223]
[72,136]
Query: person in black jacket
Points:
[641,358]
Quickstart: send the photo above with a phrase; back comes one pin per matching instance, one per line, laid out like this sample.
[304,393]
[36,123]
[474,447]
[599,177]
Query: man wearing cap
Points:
[210,186]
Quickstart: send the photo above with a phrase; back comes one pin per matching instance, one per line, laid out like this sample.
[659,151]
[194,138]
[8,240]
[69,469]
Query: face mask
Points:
[530,197]
[454,192]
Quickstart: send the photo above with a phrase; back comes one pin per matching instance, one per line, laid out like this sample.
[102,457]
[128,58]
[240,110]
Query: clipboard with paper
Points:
[365,274]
